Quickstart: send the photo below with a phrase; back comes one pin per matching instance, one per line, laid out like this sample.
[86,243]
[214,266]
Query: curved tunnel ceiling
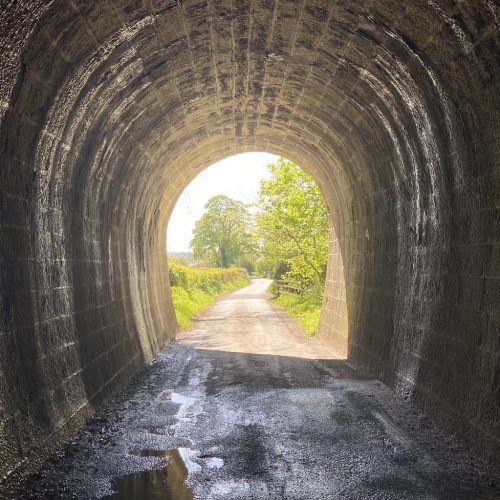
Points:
[109,109]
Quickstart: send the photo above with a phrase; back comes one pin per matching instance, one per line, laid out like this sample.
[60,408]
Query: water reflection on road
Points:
[168,483]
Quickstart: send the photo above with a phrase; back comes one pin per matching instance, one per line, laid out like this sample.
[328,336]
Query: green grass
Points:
[193,289]
[305,308]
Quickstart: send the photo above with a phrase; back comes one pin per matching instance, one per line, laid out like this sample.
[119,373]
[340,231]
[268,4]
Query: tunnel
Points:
[109,109]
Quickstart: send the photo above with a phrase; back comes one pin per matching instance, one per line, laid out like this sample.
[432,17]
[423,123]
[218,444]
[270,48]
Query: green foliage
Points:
[305,308]
[224,233]
[293,227]
[248,262]
[188,304]
[193,289]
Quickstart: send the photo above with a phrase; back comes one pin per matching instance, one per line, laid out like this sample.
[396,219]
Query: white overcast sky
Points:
[237,177]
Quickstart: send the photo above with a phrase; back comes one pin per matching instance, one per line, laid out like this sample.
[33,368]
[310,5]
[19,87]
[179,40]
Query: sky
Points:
[238,177]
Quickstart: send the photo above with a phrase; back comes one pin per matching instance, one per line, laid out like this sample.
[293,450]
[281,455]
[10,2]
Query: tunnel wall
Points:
[109,109]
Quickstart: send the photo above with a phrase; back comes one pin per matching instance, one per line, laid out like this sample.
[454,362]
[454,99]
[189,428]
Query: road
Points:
[245,406]
[245,322]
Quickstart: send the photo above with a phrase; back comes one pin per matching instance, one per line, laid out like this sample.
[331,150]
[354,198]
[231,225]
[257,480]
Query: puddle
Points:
[186,455]
[181,399]
[165,484]
[215,463]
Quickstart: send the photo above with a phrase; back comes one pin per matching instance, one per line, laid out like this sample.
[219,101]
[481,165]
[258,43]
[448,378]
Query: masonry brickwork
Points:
[108,109]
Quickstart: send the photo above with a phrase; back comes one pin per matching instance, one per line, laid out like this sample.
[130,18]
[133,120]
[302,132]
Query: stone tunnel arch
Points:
[393,105]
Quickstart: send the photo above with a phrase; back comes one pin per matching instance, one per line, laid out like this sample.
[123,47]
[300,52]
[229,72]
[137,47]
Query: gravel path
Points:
[244,406]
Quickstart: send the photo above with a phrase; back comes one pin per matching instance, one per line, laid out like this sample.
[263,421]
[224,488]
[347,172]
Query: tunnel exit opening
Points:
[256,216]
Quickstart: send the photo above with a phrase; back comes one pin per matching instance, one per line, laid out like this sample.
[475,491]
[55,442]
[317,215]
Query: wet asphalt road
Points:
[244,406]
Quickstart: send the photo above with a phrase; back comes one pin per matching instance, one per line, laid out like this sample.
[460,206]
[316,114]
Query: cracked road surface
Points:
[245,406]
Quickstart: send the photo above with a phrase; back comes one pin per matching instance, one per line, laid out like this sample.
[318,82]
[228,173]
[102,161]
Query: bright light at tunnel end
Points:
[237,176]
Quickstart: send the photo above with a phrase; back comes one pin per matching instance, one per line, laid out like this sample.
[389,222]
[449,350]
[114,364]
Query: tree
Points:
[224,233]
[293,226]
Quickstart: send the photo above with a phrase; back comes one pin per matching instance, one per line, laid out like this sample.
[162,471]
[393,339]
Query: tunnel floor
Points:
[244,406]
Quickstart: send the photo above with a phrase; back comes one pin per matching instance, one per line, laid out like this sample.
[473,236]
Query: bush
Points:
[193,288]
[305,308]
